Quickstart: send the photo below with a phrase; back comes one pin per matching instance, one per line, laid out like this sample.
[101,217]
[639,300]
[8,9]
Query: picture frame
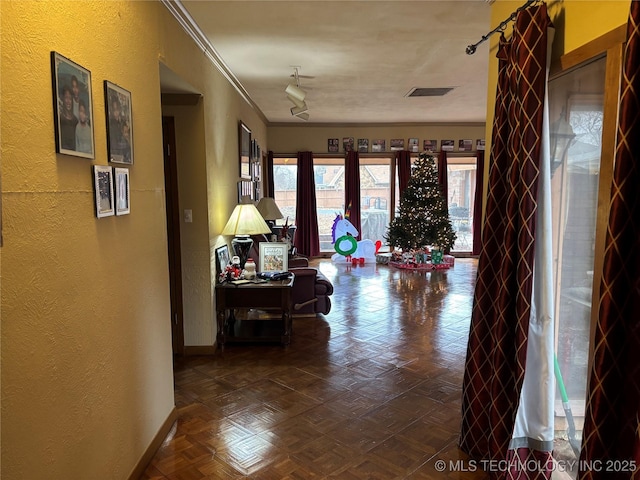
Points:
[71,96]
[274,256]
[397,144]
[363,145]
[465,145]
[447,145]
[121,184]
[222,258]
[347,144]
[480,144]
[378,145]
[103,189]
[244,147]
[245,189]
[413,144]
[119,115]
[430,145]
[333,145]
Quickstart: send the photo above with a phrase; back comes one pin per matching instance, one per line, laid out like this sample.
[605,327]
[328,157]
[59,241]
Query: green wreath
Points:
[349,251]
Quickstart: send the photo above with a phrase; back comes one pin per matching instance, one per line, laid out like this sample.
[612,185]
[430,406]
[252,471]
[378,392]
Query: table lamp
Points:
[245,220]
[269,210]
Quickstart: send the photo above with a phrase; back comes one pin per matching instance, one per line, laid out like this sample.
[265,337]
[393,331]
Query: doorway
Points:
[173,233]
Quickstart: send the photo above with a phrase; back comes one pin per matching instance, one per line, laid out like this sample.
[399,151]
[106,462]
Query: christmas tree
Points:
[423,219]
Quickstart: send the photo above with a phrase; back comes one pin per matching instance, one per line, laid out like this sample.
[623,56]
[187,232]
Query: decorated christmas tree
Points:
[423,219]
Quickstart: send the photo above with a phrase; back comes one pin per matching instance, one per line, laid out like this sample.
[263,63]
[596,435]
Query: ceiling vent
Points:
[428,92]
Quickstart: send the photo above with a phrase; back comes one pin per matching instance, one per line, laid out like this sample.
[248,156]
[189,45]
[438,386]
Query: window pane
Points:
[285,179]
[329,176]
[375,197]
[461,175]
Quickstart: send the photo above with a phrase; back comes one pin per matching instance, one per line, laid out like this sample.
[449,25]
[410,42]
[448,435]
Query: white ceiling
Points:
[358,59]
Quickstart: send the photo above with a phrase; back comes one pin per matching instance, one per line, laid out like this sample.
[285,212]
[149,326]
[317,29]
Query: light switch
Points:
[188,216]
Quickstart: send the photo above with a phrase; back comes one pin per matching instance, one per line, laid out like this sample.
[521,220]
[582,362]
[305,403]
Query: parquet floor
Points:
[370,391]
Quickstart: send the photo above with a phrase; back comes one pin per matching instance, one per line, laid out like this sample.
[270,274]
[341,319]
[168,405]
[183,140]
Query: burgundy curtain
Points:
[352,189]
[269,167]
[403,160]
[496,352]
[477,204]
[612,419]
[307,240]
[443,178]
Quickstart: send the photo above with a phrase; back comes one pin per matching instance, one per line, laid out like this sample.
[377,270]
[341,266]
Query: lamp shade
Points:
[269,209]
[245,220]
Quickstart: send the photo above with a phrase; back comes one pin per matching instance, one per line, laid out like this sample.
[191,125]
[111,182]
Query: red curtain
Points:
[352,189]
[307,240]
[443,178]
[269,173]
[403,160]
[612,421]
[477,204]
[496,352]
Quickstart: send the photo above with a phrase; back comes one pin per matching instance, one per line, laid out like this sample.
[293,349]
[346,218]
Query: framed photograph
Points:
[480,144]
[414,144]
[72,107]
[430,145]
[465,145]
[245,189]
[103,187]
[244,137]
[397,144]
[348,144]
[255,171]
[363,145]
[117,101]
[447,145]
[222,258]
[274,257]
[122,191]
[378,145]
[333,145]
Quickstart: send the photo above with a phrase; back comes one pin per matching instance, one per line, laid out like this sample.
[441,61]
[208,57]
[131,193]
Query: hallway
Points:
[371,391]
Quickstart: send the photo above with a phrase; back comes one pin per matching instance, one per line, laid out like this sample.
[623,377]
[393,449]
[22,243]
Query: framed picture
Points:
[480,144]
[117,101]
[363,145]
[447,145]
[378,145]
[122,191]
[245,189]
[413,144]
[397,144]
[465,145]
[222,258]
[348,144]
[333,145]
[244,138]
[103,186]
[256,170]
[274,257]
[430,145]
[72,107]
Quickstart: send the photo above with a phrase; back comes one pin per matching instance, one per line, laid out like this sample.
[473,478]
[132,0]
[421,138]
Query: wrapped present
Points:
[450,259]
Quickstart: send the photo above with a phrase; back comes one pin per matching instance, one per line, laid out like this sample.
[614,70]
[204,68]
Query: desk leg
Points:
[221,328]
[288,326]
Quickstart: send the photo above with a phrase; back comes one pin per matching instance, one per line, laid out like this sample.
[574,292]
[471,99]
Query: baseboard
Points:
[153,447]
[192,350]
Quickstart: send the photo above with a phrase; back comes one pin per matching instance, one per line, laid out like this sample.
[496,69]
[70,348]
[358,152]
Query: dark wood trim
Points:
[153,447]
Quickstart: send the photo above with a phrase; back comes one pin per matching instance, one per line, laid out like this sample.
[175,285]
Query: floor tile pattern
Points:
[370,391]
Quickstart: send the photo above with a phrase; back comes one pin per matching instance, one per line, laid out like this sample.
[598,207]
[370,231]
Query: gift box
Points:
[450,259]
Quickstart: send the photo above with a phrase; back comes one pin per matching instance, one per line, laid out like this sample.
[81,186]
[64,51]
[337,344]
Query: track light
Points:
[296,102]
[299,110]
[303,116]
[295,92]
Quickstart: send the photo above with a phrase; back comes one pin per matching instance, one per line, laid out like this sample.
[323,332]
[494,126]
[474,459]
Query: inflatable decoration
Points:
[343,237]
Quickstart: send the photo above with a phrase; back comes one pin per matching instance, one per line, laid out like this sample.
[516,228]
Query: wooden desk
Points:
[260,296]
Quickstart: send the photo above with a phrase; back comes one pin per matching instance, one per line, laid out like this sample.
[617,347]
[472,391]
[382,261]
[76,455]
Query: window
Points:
[375,197]
[461,175]
[285,180]
[329,176]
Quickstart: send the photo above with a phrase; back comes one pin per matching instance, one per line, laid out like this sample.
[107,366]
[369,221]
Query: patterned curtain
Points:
[307,240]
[612,422]
[443,178]
[352,189]
[269,174]
[477,204]
[403,160]
[502,310]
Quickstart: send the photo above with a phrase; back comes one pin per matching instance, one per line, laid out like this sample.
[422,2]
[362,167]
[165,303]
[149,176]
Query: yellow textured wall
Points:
[284,139]
[86,345]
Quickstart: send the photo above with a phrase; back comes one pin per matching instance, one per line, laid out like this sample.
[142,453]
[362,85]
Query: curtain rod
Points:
[471,49]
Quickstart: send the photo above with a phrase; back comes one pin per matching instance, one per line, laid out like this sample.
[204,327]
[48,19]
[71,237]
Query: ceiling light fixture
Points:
[296,95]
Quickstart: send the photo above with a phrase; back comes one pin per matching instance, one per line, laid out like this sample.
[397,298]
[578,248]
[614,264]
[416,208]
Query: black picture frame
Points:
[119,115]
[244,147]
[71,100]
[222,258]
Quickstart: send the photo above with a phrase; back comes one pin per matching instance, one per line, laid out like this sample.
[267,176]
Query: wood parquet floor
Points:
[370,391]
